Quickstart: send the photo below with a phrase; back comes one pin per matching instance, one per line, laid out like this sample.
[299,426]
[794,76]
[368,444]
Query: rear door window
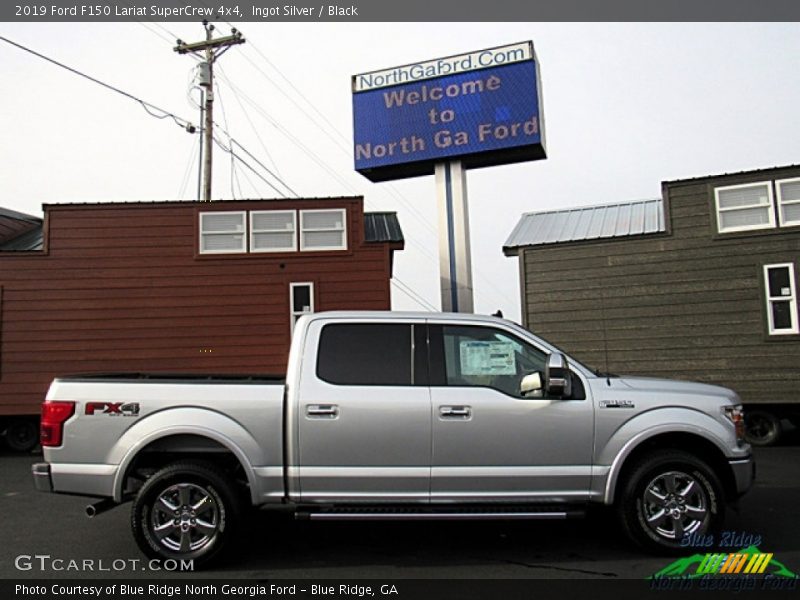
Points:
[367,354]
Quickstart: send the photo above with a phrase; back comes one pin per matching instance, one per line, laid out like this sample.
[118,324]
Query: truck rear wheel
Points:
[185,511]
[667,496]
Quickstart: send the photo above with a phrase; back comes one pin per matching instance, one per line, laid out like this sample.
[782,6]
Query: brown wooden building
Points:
[211,287]
[700,284]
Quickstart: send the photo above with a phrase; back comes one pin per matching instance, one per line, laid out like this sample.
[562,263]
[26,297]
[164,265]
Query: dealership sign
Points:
[482,108]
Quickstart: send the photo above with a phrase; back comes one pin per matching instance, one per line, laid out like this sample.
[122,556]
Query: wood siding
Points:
[687,304]
[122,287]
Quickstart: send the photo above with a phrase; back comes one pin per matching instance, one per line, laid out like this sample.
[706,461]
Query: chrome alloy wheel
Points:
[185,518]
[675,504]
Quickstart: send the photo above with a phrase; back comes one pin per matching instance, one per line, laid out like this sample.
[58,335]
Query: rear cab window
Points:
[372,354]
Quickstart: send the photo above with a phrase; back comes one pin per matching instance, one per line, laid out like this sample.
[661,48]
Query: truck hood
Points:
[671,386]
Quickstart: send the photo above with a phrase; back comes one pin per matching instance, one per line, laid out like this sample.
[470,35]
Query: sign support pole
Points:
[455,262]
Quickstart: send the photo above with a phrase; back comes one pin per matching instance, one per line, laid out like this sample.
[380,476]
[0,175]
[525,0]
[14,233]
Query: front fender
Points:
[196,421]
[647,425]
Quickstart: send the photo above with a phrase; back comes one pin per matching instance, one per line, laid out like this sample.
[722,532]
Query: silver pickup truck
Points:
[397,416]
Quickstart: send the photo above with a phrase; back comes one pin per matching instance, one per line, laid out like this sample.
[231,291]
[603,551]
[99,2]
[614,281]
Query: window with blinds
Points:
[745,207]
[789,201]
[222,232]
[323,229]
[273,231]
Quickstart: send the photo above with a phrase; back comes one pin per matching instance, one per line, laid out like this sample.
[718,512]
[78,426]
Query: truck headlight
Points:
[735,415]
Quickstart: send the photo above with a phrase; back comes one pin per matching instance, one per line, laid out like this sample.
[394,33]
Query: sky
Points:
[625,107]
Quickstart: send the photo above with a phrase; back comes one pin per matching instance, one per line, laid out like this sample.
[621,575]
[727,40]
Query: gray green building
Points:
[700,284]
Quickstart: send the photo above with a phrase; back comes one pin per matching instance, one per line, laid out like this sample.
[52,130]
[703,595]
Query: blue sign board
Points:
[482,117]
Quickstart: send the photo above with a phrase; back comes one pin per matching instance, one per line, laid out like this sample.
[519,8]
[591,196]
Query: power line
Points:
[345,143]
[162,36]
[401,286]
[263,166]
[250,181]
[224,78]
[148,107]
[156,24]
[230,139]
[311,154]
[390,189]
[246,164]
[187,171]
[299,93]
[185,124]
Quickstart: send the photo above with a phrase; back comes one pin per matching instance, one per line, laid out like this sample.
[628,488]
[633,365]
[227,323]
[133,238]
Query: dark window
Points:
[782,315]
[365,354]
[779,284]
[485,357]
[781,299]
[301,299]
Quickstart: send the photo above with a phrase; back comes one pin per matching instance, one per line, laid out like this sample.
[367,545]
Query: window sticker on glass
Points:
[487,358]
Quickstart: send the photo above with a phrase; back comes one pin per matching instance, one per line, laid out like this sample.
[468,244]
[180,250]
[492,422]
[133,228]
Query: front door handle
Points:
[455,412]
[329,411]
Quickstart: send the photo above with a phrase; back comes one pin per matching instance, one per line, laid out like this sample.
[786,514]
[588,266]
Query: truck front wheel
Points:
[668,496]
[185,511]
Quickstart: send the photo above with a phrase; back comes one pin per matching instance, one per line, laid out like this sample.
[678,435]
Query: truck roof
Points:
[390,314]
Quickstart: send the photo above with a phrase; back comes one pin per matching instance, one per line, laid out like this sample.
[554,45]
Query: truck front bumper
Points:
[744,473]
[41,477]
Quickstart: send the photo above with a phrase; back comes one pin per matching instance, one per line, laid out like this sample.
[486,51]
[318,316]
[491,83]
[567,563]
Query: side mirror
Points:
[557,377]
[531,386]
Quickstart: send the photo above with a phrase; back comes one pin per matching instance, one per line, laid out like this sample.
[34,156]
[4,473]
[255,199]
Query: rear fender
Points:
[195,421]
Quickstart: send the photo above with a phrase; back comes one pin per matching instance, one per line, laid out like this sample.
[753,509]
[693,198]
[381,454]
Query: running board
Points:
[412,514]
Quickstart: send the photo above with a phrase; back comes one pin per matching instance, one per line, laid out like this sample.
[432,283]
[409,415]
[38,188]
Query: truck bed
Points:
[177,378]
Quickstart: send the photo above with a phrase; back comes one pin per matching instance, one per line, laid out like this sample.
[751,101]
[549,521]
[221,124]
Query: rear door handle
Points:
[455,412]
[329,411]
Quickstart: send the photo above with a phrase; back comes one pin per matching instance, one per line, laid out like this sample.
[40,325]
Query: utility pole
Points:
[213,49]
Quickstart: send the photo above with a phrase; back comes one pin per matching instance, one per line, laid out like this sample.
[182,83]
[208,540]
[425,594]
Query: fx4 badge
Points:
[617,404]
[115,409]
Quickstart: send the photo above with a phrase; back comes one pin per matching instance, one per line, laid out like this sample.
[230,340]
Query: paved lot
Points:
[32,523]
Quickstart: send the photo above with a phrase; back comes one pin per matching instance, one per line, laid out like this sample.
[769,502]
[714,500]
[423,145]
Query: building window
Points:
[323,229]
[222,232]
[789,201]
[781,299]
[744,207]
[301,300]
[273,231]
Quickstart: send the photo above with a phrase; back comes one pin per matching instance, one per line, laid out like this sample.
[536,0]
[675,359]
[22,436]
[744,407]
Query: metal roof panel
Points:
[588,223]
[382,227]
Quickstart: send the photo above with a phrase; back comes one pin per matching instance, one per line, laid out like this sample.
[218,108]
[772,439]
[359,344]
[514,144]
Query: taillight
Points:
[54,414]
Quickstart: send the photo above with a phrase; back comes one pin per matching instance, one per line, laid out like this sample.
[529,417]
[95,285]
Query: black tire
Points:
[667,496]
[22,435]
[762,428]
[186,511]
